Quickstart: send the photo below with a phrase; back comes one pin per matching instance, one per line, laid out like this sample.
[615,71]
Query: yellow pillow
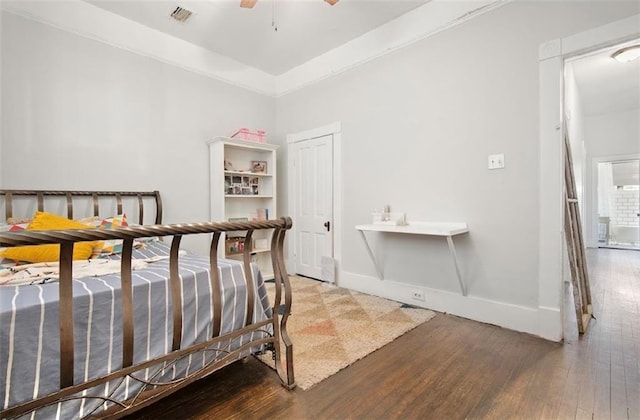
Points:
[49,252]
[49,221]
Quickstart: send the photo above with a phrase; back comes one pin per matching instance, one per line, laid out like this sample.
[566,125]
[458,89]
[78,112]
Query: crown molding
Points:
[87,20]
[422,22]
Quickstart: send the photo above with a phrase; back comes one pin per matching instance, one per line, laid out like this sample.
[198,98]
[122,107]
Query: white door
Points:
[313,163]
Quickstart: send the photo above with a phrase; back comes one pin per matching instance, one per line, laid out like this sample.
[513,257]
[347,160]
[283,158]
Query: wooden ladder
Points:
[575,244]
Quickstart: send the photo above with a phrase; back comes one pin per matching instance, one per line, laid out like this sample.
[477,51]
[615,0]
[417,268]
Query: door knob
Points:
[327,224]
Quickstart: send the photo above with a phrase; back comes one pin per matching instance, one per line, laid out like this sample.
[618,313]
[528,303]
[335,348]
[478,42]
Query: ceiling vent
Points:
[181,14]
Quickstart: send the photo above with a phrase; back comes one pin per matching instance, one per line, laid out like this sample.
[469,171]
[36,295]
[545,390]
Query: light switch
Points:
[496,161]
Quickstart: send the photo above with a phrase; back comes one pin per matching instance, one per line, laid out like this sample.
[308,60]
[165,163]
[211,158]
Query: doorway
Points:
[602,114]
[618,209]
[314,202]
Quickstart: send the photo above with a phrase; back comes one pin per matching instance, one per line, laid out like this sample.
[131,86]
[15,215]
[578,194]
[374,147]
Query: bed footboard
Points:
[226,347]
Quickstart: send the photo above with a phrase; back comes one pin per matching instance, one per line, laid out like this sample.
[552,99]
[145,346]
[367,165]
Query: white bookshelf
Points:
[237,191]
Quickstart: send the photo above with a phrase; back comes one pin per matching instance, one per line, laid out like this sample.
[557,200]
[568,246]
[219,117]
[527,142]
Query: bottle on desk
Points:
[386,213]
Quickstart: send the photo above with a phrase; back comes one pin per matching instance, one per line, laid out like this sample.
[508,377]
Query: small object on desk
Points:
[386,213]
[390,219]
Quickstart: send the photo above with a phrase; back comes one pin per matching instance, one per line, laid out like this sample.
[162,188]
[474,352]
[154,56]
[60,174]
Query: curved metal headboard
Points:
[40,195]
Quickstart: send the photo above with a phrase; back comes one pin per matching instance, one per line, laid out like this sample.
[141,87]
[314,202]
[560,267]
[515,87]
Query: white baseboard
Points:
[550,323]
[542,322]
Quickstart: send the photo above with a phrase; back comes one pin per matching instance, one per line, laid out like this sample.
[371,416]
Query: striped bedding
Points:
[29,335]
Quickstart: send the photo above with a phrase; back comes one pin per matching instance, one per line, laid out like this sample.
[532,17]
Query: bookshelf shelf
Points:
[243,187]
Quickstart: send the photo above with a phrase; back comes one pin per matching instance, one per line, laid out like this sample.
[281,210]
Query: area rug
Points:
[332,327]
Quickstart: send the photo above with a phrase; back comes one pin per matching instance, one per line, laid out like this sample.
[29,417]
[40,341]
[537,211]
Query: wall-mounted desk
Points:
[448,230]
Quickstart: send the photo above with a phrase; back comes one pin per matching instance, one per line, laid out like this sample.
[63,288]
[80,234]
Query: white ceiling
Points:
[626,173]
[305,28]
[313,40]
[607,85]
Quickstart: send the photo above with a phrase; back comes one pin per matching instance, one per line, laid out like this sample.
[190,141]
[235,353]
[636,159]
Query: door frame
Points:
[334,130]
[551,252]
[592,194]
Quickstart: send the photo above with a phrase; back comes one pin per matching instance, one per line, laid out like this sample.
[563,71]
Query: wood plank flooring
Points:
[453,368]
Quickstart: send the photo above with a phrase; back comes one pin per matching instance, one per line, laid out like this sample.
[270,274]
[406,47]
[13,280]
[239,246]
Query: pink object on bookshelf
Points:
[257,136]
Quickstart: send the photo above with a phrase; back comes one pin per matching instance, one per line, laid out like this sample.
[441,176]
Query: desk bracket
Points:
[447,230]
[452,249]
[373,258]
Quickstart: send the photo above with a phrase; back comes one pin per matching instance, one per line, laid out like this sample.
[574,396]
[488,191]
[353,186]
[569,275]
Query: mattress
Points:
[29,331]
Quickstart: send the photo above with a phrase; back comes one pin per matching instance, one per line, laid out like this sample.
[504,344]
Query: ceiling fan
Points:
[248,4]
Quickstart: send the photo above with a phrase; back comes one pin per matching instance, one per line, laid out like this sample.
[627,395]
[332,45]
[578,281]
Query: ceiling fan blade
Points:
[332,2]
[247,4]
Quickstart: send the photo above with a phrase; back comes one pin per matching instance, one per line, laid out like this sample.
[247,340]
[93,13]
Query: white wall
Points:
[607,136]
[575,128]
[417,126]
[613,134]
[79,114]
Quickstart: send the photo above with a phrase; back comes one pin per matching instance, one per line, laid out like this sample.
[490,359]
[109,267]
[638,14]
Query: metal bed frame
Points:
[153,391]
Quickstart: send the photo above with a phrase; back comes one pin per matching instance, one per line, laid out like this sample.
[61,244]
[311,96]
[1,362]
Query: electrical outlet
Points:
[417,295]
[496,161]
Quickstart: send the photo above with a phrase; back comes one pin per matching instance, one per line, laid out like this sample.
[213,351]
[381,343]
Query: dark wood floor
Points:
[452,368]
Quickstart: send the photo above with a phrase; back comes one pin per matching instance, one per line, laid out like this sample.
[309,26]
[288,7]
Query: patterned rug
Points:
[332,327]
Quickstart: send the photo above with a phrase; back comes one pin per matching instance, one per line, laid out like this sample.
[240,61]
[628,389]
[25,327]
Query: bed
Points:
[78,344]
